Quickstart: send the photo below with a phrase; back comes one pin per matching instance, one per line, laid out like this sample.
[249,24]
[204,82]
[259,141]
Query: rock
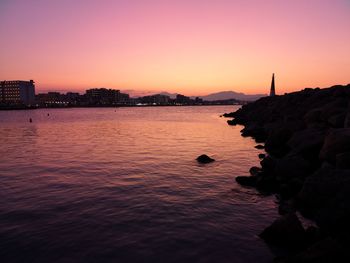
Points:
[325,197]
[247,180]
[334,215]
[325,251]
[317,189]
[338,120]
[268,164]
[343,160]
[313,116]
[261,155]
[286,231]
[267,184]
[204,159]
[291,166]
[337,141]
[347,119]
[232,122]
[307,142]
[276,142]
[229,115]
[255,170]
[259,146]
[313,235]
[291,188]
[286,207]
[334,107]
[254,130]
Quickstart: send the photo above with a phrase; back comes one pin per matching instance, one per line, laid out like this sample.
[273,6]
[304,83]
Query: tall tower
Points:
[272,91]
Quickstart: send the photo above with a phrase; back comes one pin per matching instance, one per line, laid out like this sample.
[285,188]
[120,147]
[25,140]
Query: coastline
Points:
[111,106]
[306,137]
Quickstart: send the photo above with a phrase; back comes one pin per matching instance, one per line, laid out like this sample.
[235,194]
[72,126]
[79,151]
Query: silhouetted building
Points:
[272,91]
[17,92]
[72,96]
[198,100]
[123,98]
[104,96]
[157,99]
[52,99]
[181,99]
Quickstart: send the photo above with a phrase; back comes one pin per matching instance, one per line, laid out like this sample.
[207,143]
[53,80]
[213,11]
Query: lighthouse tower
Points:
[272,91]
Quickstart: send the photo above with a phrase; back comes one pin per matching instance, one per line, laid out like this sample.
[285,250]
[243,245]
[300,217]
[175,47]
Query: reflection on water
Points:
[122,185]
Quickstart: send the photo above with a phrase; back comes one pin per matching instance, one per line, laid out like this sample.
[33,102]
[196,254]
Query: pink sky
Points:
[193,47]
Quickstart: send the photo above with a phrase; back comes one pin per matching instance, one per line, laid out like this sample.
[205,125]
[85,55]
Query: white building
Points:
[17,92]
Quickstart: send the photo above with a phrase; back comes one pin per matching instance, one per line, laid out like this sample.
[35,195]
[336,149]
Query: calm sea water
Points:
[122,185]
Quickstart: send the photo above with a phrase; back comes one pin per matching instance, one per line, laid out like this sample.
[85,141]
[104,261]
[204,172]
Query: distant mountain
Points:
[225,95]
[171,95]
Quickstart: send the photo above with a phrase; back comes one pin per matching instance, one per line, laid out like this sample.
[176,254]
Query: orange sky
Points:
[193,47]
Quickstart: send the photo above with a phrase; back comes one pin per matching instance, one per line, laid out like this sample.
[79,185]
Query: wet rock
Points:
[261,155]
[267,184]
[229,115]
[255,170]
[259,146]
[254,130]
[247,180]
[268,164]
[286,231]
[232,122]
[204,159]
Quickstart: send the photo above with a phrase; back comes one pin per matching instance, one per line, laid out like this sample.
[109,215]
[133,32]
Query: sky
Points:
[194,47]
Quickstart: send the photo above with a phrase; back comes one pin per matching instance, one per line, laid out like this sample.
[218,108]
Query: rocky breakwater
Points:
[306,135]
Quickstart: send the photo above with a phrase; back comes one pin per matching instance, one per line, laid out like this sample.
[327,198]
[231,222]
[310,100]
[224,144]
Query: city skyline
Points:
[188,47]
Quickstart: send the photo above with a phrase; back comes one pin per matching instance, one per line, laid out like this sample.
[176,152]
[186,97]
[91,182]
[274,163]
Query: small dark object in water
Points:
[48,114]
[204,159]
[30,120]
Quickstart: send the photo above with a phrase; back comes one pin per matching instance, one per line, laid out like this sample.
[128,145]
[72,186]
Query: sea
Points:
[123,185]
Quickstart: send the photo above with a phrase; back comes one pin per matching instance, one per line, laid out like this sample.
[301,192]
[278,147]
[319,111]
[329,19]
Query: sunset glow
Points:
[193,47]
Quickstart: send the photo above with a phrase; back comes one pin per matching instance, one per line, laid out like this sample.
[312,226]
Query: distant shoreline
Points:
[118,106]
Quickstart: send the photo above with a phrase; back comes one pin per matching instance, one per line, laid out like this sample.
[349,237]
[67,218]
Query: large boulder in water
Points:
[204,159]
[247,180]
